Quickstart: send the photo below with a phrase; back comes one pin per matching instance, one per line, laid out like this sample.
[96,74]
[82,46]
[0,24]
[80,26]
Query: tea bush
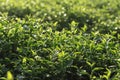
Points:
[59,40]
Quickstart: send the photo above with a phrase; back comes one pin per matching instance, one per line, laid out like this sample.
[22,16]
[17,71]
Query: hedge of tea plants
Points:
[59,40]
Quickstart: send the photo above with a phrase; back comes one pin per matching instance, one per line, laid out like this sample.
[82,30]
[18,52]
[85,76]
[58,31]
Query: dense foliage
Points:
[60,40]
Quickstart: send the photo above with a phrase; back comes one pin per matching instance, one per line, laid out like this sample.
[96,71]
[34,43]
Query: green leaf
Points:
[90,64]
[33,52]
[3,78]
[97,69]
[84,28]
[73,25]
[24,60]
[55,24]
[108,73]
[61,54]
[9,76]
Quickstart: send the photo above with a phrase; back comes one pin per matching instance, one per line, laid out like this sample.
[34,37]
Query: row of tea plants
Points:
[59,40]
